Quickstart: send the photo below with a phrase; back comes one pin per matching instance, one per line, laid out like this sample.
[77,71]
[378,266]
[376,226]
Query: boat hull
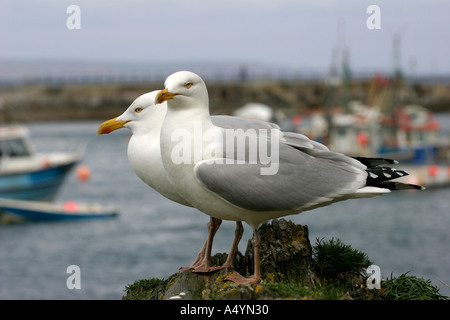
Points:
[46,211]
[42,184]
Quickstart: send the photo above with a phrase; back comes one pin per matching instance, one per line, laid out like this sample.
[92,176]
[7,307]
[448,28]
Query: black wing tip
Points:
[400,186]
[374,162]
[415,186]
[381,176]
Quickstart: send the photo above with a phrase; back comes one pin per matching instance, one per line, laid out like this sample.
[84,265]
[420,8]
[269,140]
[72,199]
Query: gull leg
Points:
[256,278]
[237,237]
[199,258]
[205,261]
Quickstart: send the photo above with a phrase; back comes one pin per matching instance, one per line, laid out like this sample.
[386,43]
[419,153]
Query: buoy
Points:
[433,170]
[362,138]
[83,173]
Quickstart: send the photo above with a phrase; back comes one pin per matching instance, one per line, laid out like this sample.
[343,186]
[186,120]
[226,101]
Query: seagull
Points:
[227,184]
[145,122]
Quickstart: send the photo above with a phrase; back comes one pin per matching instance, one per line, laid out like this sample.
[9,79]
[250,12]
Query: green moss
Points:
[146,289]
[141,289]
[333,259]
[406,287]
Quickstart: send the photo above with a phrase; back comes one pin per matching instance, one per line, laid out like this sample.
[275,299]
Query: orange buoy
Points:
[83,173]
[362,138]
[433,170]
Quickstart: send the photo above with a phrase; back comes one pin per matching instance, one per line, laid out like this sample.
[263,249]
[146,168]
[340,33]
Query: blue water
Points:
[153,237]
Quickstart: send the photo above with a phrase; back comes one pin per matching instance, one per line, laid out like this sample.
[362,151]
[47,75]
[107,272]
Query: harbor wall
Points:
[83,101]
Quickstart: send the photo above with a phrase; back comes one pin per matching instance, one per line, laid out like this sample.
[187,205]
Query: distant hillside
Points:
[17,72]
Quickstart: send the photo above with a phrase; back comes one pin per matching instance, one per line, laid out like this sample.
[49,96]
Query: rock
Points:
[187,286]
[286,252]
[285,256]
[192,286]
[291,269]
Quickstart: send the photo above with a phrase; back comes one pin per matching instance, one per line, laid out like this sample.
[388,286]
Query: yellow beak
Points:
[164,95]
[110,125]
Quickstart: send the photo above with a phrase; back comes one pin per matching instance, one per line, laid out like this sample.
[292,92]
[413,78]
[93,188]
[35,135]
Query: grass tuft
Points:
[333,259]
[406,287]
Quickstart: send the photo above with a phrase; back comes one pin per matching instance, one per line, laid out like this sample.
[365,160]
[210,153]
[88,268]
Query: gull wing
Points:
[307,176]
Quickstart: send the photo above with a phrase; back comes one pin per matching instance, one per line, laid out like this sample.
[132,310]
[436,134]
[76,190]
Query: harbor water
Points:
[152,237]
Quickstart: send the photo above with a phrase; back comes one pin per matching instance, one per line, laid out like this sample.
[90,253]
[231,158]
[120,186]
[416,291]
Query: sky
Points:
[293,34]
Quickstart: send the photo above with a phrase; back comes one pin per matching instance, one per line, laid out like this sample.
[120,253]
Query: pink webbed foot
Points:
[239,279]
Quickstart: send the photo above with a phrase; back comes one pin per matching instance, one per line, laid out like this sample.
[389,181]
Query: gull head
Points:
[183,89]
[140,117]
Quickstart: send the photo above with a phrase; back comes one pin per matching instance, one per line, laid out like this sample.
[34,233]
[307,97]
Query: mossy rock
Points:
[291,269]
[146,289]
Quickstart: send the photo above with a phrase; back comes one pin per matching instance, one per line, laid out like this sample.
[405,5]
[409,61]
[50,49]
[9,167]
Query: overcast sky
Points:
[286,33]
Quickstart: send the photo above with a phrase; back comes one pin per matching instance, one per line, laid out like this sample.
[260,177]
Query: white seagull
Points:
[145,121]
[228,185]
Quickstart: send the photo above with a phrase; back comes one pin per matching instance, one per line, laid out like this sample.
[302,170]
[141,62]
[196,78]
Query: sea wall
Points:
[49,102]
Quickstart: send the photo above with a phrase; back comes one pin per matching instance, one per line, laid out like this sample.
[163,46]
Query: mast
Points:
[397,74]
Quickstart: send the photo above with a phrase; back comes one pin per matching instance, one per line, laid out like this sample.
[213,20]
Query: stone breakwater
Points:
[53,102]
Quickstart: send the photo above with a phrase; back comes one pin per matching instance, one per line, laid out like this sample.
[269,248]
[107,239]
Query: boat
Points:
[27,174]
[411,136]
[20,210]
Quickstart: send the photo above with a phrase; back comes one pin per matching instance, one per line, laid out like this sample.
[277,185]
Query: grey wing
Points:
[302,180]
[231,122]
[294,139]
[302,142]
[317,149]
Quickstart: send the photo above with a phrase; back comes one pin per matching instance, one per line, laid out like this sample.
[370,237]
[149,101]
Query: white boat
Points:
[27,174]
[411,136]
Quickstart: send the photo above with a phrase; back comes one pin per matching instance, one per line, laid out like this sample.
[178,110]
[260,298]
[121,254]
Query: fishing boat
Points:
[411,136]
[27,174]
[19,210]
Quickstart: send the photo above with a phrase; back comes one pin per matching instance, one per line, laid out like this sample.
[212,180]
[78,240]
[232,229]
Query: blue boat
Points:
[19,210]
[26,174]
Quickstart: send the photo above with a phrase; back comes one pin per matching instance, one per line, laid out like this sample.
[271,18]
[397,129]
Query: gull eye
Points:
[138,109]
[188,84]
